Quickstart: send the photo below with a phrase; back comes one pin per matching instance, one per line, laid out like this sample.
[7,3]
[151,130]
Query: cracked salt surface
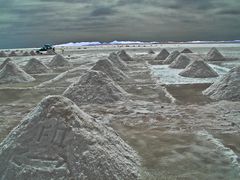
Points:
[166,75]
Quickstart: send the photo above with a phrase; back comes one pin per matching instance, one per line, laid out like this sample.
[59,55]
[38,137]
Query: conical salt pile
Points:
[95,87]
[59,141]
[214,55]
[227,88]
[3,54]
[124,56]
[32,53]
[108,68]
[13,53]
[58,61]
[162,55]
[171,57]
[186,50]
[181,62]
[198,69]
[4,63]
[26,53]
[50,52]
[11,73]
[34,66]
[116,60]
[150,51]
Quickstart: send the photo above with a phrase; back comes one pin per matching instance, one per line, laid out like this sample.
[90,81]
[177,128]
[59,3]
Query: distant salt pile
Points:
[11,73]
[198,69]
[32,53]
[162,55]
[4,63]
[50,52]
[26,53]
[171,57]
[215,55]
[186,50]
[181,62]
[95,87]
[108,68]
[124,56]
[59,61]
[13,53]
[34,66]
[3,54]
[116,60]
[150,51]
[227,88]
[57,140]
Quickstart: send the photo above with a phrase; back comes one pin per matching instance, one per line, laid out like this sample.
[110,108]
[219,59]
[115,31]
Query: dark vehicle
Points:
[46,47]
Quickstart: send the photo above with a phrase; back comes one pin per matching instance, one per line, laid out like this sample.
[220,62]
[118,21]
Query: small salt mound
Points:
[171,57]
[226,88]
[107,67]
[50,52]
[215,55]
[124,56]
[4,63]
[34,66]
[11,73]
[13,53]
[95,87]
[198,69]
[116,60]
[162,55]
[57,141]
[181,62]
[186,50]
[150,51]
[26,53]
[3,54]
[32,53]
[58,61]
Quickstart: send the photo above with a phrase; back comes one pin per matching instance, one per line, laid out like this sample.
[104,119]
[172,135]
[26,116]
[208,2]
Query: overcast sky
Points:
[31,23]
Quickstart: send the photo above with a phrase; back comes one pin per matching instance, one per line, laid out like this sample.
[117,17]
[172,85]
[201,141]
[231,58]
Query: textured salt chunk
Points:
[124,56]
[181,62]
[171,57]
[58,61]
[162,55]
[214,55]
[4,63]
[116,60]
[34,66]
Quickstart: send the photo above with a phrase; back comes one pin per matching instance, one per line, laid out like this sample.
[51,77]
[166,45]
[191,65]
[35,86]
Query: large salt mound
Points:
[186,50]
[214,55]
[116,60]
[198,69]
[34,66]
[107,67]
[13,53]
[4,63]
[162,55]
[26,53]
[32,53]
[11,73]
[58,141]
[58,61]
[3,54]
[171,57]
[124,56]
[227,88]
[181,62]
[95,87]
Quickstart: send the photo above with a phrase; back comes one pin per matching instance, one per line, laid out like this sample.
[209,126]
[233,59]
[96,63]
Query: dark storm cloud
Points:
[32,23]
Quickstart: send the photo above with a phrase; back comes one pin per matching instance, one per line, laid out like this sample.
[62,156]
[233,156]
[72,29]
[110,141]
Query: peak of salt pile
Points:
[4,63]
[172,56]
[26,53]
[186,50]
[32,53]
[13,53]
[34,66]
[116,60]
[198,69]
[150,51]
[3,54]
[181,62]
[59,141]
[11,73]
[59,61]
[124,56]
[226,88]
[214,55]
[108,68]
[95,87]
[162,55]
